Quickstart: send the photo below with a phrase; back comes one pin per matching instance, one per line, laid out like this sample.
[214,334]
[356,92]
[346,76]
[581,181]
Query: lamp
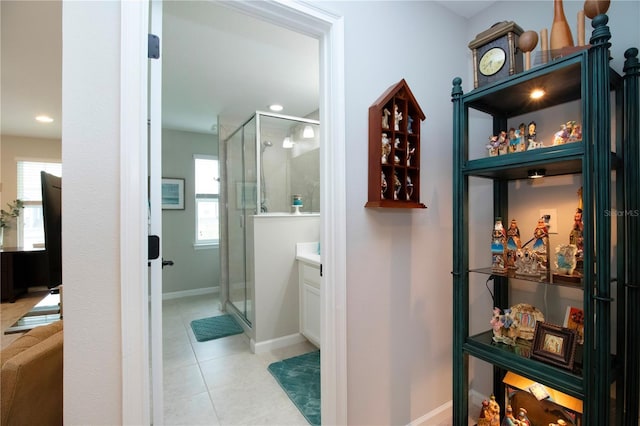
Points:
[536,173]
[308,132]
[287,142]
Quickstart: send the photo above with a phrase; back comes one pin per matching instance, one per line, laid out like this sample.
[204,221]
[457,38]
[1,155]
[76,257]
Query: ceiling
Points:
[216,63]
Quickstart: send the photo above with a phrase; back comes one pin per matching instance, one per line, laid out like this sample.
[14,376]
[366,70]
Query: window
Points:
[207,190]
[30,225]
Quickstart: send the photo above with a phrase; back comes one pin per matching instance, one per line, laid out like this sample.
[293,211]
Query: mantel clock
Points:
[496,54]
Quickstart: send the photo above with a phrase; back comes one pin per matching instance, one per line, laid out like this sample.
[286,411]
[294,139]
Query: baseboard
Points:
[436,416]
[186,293]
[280,342]
[444,413]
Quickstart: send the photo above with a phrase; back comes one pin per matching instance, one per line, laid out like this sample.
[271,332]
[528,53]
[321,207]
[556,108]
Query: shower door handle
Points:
[241,221]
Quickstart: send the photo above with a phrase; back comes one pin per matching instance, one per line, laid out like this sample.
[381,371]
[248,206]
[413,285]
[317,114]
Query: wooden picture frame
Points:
[554,344]
[574,319]
[172,194]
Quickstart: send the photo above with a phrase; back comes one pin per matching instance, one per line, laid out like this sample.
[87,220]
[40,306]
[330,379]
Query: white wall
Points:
[193,268]
[399,261]
[91,205]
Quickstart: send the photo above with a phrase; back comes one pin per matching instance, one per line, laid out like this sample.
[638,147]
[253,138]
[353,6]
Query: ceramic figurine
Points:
[498,247]
[494,410]
[562,136]
[576,236]
[410,152]
[541,241]
[532,137]
[383,185]
[385,118]
[514,141]
[484,419]
[409,124]
[493,146]
[513,243]
[529,264]
[396,186]
[396,143]
[566,258]
[386,148]
[396,159]
[503,149]
[509,420]
[576,133]
[397,118]
[522,417]
[523,143]
[409,188]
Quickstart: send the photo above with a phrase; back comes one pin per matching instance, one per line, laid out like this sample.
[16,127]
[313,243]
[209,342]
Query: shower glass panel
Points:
[269,159]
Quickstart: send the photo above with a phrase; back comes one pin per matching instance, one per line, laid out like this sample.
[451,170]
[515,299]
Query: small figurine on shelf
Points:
[522,417]
[396,159]
[409,124]
[576,132]
[409,188]
[397,117]
[498,247]
[541,241]
[397,186]
[513,243]
[493,146]
[385,118]
[386,148]
[532,137]
[509,419]
[521,133]
[562,136]
[410,152]
[494,409]
[503,149]
[383,185]
[514,141]
[566,258]
[396,143]
[529,264]
[484,419]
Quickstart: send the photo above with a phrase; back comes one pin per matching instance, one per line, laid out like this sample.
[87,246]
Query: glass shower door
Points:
[241,203]
[236,222]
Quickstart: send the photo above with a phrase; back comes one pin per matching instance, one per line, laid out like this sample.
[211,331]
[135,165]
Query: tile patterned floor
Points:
[220,382]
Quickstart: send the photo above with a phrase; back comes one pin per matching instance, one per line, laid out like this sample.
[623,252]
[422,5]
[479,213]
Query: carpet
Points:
[300,378]
[215,327]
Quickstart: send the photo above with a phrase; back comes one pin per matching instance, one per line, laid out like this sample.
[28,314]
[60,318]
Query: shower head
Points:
[265,145]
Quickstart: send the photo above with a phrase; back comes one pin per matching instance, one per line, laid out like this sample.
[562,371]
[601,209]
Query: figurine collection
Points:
[525,138]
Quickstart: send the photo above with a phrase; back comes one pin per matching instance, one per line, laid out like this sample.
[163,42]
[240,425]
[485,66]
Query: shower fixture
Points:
[265,145]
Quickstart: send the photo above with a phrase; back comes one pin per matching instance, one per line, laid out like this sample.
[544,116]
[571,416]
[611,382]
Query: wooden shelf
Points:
[394,149]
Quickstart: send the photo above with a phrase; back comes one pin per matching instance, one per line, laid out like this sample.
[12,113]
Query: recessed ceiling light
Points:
[276,107]
[44,119]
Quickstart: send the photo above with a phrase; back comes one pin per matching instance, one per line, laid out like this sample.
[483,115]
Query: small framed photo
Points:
[554,344]
[172,194]
[574,319]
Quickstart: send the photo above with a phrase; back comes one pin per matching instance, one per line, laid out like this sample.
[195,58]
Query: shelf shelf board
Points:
[556,160]
[399,204]
[507,357]
[555,280]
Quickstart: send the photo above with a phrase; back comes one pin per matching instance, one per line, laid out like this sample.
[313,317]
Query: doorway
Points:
[329,29]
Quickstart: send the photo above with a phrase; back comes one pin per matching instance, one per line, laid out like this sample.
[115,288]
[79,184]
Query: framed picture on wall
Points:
[172,194]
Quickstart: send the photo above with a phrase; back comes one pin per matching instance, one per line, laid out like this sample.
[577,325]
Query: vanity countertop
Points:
[308,253]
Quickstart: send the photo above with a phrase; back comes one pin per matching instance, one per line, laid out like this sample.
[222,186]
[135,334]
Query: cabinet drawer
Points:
[311,274]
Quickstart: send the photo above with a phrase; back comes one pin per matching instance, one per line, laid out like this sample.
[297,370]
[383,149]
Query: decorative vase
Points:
[560,31]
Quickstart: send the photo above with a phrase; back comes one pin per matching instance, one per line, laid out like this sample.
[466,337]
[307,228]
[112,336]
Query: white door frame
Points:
[299,16]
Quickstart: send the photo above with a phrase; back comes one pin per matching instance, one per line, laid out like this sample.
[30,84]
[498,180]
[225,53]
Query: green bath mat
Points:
[300,378]
[215,327]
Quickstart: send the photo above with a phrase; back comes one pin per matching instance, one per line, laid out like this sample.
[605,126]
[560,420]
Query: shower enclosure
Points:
[269,159]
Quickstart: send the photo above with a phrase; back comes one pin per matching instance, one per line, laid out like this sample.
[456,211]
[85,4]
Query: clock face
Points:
[492,61]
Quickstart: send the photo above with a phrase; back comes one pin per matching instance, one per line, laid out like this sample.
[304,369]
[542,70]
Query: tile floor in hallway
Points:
[220,382]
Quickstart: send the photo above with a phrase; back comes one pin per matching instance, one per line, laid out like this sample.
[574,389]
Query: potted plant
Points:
[6,216]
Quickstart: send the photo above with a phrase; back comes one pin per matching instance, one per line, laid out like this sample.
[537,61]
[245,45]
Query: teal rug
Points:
[300,378]
[215,327]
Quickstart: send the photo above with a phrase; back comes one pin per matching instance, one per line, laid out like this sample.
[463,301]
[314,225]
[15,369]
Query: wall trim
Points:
[439,414]
[187,293]
[277,343]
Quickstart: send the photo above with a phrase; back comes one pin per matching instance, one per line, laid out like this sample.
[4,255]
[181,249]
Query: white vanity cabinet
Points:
[309,275]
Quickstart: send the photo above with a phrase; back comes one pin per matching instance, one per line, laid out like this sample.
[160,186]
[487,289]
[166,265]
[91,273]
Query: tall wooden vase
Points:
[560,31]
